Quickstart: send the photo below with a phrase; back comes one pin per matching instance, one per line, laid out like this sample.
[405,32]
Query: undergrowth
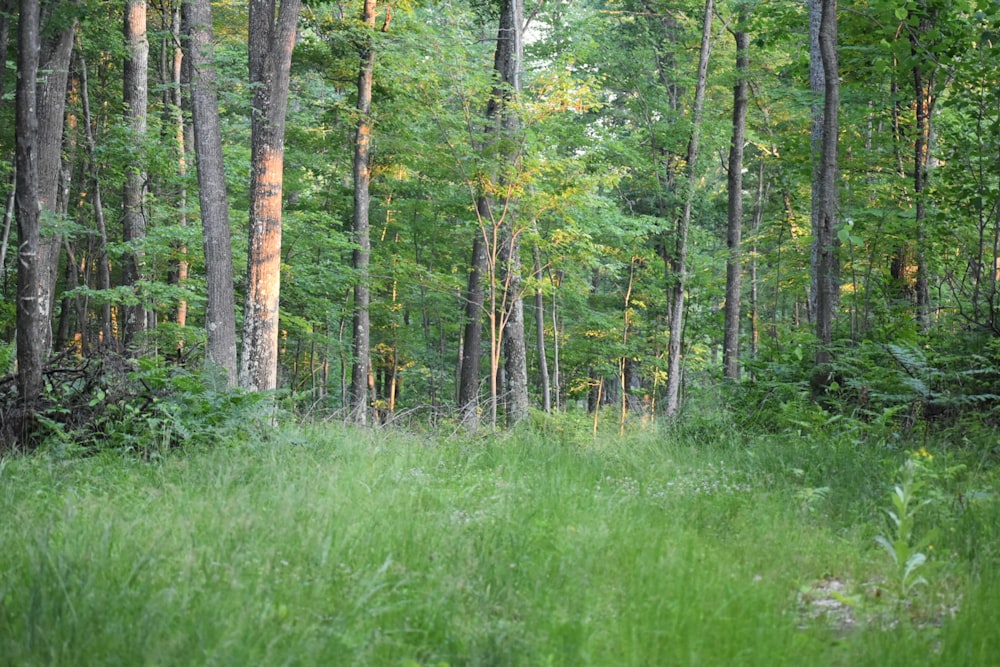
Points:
[323,545]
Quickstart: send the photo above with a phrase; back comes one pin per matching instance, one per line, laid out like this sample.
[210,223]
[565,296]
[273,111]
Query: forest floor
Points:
[544,547]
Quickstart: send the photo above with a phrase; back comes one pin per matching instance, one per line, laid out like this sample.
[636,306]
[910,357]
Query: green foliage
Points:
[372,548]
[907,551]
[147,410]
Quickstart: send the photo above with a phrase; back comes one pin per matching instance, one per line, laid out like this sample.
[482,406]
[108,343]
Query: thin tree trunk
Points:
[543,362]
[675,347]
[362,179]
[136,98]
[271,40]
[106,336]
[922,90]
[734,260]
[8,218]
[220,308]
[182,141]
[825,204]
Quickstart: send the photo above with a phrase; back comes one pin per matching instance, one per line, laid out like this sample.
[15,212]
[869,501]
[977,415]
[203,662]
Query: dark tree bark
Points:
[43,64]
[508,63]
[468,385]
[734,261]
[271,41]
[32,293]
[220,309]
[679,258]
[135,88]
[825,187]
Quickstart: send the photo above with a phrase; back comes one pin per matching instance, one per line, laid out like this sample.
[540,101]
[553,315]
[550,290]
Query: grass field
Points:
[336,547]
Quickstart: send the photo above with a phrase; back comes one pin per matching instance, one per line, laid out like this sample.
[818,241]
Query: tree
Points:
[44,51]
[679,257]
[824,204]
[734,264]
[136,93]
[220,310]
[361,368]
[271,41]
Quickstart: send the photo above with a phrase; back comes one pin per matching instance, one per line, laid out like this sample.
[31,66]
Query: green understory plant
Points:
[909,554]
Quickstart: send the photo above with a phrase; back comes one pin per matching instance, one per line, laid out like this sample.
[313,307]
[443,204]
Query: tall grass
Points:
[329,546]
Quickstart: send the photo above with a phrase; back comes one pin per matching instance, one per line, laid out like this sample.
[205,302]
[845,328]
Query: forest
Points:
[675,324]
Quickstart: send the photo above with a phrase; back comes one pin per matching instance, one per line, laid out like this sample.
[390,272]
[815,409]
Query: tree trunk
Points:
[135,88]
[106,335]
[825,190]
[675,347]
[220,308]
[43,65]
[508,66]
[468,386]
[515,349]
[32,294]
[543,363]
[271,40]
[362,199]
[734,260]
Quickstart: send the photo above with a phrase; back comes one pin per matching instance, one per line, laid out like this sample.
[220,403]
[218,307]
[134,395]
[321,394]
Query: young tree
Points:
[220,310]
[734,260]
[679,258]
[362,179]
[272,31]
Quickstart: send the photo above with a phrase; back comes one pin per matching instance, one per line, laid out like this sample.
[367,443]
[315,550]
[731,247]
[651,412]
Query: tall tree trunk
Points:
[508,63]
[32,295]
[135,88]
[182,136]
[362,199]
[543,362]
[271,40]
[825,188]
[923,90]
[220,309]
[106,335]
[43,65]
[734,260]
[675,347]
[468,386]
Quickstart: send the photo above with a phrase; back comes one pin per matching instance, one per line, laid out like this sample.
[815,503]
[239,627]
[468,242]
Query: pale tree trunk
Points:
[174,101]
[135,88]
[734,260]
[106,336]
[362,199]
[271,40]
[43,65]
[825,190]
[675,347]
[543,363]
[220,308]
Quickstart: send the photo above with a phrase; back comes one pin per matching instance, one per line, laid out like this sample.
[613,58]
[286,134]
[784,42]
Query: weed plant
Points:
[344,547]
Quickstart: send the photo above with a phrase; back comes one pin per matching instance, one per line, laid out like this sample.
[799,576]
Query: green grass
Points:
[338,547]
